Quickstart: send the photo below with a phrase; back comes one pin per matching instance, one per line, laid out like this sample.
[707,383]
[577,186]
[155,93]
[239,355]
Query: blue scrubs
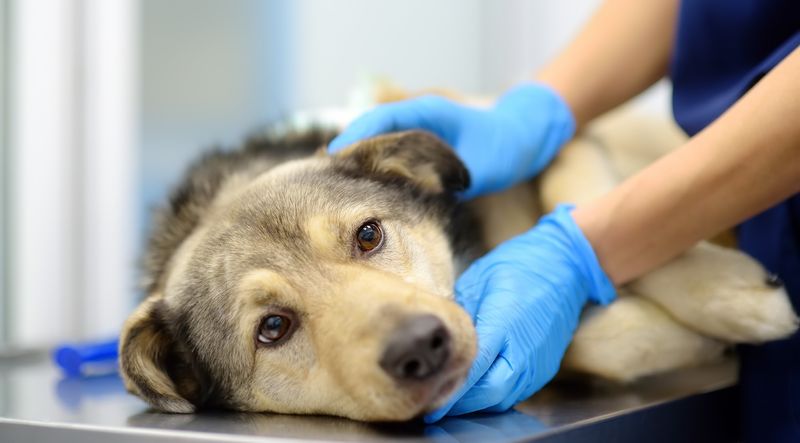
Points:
[722,49]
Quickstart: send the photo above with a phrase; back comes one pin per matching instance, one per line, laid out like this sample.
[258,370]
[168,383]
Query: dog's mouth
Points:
[446,390]
[438,391]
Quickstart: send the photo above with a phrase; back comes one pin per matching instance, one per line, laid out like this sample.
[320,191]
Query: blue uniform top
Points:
[723,48]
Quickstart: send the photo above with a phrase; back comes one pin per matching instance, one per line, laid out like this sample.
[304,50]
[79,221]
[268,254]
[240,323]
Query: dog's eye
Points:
[273,328]
[369,236]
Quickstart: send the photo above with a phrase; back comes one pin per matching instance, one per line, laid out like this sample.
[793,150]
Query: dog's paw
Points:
[722,293]
[631,338]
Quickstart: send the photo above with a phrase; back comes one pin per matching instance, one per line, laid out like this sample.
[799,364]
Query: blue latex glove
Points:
[525,298]
[501,146]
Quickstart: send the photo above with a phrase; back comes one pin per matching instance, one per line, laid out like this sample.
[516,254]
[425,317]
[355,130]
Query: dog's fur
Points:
[271,229]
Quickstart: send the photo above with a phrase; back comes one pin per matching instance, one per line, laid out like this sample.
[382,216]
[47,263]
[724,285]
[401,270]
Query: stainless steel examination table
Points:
[700,404]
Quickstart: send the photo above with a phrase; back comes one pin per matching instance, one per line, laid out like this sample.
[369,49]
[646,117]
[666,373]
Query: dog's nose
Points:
[417,349]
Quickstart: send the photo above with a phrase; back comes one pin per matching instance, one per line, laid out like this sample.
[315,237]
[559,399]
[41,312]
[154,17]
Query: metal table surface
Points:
[699,404]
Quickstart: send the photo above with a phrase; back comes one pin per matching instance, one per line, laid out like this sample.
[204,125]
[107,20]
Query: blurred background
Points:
[104,102]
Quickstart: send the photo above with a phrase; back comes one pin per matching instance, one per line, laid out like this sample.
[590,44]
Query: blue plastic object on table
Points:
[89,358]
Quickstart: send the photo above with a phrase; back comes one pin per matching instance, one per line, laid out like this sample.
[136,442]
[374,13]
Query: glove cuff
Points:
[536,106]
[601,289]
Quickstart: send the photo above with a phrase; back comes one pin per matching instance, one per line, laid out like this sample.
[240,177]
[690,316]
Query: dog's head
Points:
[321,286]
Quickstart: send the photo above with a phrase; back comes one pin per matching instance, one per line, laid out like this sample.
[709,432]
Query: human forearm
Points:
[743,163]
[623,49]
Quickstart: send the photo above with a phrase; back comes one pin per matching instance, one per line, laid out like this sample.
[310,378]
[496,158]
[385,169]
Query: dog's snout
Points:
[418,349]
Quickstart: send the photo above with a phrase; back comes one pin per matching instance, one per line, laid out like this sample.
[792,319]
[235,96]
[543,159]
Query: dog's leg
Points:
[633,337]
[713,291]
[721,292]
[634,139]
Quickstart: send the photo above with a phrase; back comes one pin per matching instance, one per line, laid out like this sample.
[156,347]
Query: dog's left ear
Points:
[154,366]
[415,157]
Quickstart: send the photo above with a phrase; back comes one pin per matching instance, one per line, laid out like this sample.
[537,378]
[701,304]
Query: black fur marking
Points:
[184,367]
[153,325]
[379,157]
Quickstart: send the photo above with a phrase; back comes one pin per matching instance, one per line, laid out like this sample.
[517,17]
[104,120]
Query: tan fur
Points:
[633,337]
[507,214]
[320,229]
[580,173]
[317,368]
[294,220]
[701,290]
[634,140]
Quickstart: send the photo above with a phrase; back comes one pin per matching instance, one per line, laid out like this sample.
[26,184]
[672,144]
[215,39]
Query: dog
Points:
[283,279]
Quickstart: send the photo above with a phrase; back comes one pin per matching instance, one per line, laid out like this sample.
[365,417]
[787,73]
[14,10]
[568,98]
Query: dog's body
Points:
[287,281]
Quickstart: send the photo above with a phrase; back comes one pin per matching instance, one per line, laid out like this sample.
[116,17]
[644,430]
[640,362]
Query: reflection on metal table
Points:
[698,404]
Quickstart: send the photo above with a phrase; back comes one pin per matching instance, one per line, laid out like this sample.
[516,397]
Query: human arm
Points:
[623,49]
[744,162]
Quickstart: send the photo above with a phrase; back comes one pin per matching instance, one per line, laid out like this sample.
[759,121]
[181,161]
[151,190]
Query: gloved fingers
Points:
[370,124]
[417,113]
[496,385]
[486,281]
[489,347]
[519,393]
[468,290]
[493,159]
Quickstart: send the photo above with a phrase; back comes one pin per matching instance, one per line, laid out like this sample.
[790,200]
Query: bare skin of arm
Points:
[622,50]
[743,163]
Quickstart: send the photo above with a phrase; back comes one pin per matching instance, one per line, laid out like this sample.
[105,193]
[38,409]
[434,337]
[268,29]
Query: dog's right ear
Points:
[152,364]
[416,157]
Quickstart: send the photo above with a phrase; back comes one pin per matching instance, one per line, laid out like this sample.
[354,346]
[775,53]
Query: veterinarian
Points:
[735,70]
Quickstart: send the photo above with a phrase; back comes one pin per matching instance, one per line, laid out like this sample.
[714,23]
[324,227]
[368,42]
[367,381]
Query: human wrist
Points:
[563,225]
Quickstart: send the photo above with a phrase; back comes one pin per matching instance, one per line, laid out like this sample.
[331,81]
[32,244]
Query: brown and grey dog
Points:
[282,279]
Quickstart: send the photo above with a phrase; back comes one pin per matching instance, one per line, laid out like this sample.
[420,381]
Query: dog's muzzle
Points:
[418,349]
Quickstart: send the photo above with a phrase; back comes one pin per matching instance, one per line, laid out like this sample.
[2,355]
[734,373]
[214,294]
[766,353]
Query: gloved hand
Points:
[501,146]
[525,298]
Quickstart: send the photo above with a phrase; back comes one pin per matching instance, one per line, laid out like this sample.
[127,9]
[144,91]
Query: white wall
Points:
[70,164]
[417,43]
[521,36]
[4,289]
[110,123]
[213,70]
[42,172]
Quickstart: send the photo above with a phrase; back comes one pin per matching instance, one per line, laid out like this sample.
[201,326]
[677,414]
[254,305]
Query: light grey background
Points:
[212,71]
